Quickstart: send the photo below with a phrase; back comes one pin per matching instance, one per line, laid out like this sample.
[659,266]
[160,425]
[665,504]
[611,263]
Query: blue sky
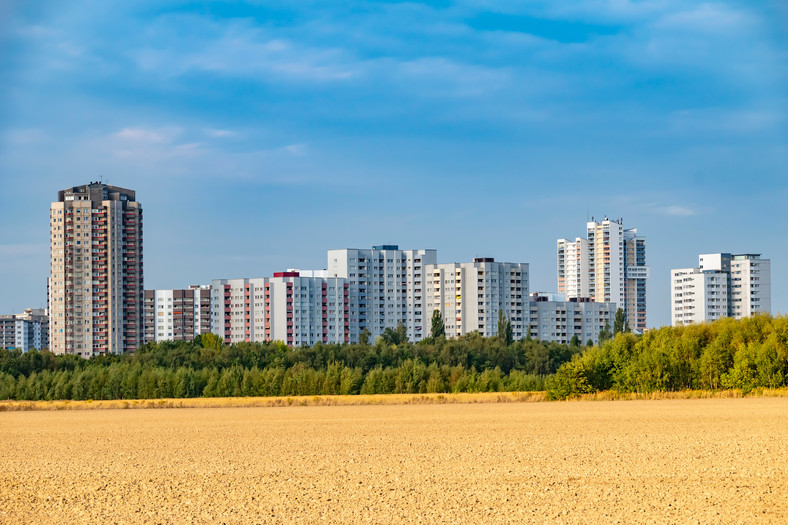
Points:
[260,135]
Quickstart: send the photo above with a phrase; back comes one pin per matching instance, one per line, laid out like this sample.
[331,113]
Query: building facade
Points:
[553,318]
[25,331]
[573,276]
[470,295]
[286,307]
[698,295]
[751,285]
[177,315]
[387,287]
[609,266]
[723,285]
[96,273]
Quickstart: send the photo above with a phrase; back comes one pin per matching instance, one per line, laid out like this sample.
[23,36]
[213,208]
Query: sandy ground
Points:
[684,461]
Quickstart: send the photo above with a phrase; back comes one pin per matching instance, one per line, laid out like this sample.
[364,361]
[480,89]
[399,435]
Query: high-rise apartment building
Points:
[96,279]
[25,331]
[635,275]
[470,295]
[387,287]
[177,315]
[723,285]
[751,285]
[573,276]
[698,295]
[609,265]
[286,307]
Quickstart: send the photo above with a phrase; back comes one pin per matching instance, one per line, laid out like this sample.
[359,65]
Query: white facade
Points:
[751,285]
[723,285]
[236,306]
[387,287]
[177,315]
[307,310]
[470,295]
[25,331]
[606,261]
[573,276]
[609,265]
[558,321]
[698,295]
[286,307]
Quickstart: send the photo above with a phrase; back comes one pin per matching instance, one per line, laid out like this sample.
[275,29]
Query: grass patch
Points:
[377,399]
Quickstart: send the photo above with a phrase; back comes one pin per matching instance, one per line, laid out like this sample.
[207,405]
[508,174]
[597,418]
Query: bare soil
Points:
[671,461]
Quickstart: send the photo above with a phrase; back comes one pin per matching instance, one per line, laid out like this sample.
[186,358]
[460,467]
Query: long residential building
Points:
[554,318]
[25,331]
[286,307]
[96,280]
[387,287]
[609,265]
[470,295]
[177,315]
[723,285]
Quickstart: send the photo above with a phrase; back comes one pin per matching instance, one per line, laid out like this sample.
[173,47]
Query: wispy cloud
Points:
[676,211]
[239,50]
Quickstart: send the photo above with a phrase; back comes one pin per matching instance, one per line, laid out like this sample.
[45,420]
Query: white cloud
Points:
[220,133]
[708,18]
[676,211]
[296,150]
[236,49]
[147,135]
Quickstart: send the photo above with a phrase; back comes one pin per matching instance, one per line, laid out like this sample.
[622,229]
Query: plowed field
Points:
[682,461]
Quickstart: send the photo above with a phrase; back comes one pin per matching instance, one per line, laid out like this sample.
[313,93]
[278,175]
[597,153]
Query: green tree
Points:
[604,334]
[395,336]
[438,330]
[505,331]
[620,323]
[363,337]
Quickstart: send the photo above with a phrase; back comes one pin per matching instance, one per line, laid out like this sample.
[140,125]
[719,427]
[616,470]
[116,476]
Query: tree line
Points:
[725,354]
[208,367]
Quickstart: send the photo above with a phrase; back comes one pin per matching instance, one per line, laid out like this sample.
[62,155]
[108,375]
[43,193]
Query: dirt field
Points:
[682,461]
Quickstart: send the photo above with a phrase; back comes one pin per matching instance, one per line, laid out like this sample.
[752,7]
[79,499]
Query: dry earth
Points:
[676,461]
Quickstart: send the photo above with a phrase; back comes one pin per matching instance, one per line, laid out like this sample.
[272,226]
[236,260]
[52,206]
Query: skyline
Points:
[257,138]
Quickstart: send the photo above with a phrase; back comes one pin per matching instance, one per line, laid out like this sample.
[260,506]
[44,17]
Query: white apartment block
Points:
[96,283]
[25,331]
[470,295]
[609,265]
[286,307]
[573,275]
[751,285]
[698,295]
[177,315]
[553,318]
[723,285]
[387,287]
